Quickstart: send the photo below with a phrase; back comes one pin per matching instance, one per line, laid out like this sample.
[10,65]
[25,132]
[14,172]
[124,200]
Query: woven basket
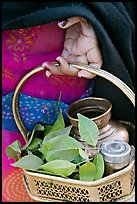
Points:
[43,187]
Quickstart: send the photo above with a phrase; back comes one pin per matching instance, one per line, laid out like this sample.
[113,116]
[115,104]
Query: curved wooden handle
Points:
[120,84]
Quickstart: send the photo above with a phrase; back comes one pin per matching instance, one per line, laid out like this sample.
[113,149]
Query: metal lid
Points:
[115,151]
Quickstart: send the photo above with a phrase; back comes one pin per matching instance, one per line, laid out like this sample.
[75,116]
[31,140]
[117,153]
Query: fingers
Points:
[69,22]
[95,59]
[51,69]
[65,53]
[81,45]
[86,28]
[82,59]
[86,74]
[63,69]
[94,53]
[68,45]
[66,69]
[48,73]
[94,56]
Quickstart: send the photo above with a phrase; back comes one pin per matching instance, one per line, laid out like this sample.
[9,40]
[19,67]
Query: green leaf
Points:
[39,154]
[63,154]
[35,144]
[99,162]
[51,135]
[39,127]
[29,162]
[87,171]
[48,173]
[56,127]
[47,129]
[37,130]
[13,150]
[78,160]
[59,167]
[59,123]
[88,130]
[60,143]
[83,154]
[30,153]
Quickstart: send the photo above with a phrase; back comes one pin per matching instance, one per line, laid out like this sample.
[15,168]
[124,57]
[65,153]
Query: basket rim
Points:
[86,183]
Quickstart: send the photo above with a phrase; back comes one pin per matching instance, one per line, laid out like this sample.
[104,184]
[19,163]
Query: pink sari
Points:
[22,50]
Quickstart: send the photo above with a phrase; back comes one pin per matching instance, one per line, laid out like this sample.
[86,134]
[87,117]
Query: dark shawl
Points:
[113,23]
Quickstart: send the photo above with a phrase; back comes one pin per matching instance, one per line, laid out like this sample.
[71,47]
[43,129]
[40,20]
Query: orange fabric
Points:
[13,189]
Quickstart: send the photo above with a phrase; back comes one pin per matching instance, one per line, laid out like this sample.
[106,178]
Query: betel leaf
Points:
[29,162]
[59,143]
[78,160]
[88,130]
[13,150]
[47,129]
[38,128]
[83,154]
[99,162]
[48,173]
[51,135]
[35,144]
[87,171]
[30,153]
[59,167]
[82,157]
[39,154]
[59,123]
[63,154]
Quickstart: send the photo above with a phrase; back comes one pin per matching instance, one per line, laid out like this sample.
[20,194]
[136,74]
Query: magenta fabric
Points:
[23,50]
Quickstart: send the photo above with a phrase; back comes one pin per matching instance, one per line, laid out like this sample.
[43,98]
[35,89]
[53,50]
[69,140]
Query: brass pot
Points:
[99,111]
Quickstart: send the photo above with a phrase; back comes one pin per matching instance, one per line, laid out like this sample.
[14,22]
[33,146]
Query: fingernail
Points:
[48,73]
[44,64]
[62,23]
[58,60]
[84,75]
[94,65]
[80,75]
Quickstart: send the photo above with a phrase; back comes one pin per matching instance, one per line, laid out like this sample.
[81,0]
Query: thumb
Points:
[85,74]
[69,22]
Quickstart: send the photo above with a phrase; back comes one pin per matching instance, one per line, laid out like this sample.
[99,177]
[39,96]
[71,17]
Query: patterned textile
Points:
[34,110]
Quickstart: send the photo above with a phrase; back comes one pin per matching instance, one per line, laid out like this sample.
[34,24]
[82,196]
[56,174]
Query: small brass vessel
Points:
[99,111]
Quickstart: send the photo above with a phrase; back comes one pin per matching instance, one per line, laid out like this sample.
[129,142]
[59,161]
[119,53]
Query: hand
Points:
[80,45]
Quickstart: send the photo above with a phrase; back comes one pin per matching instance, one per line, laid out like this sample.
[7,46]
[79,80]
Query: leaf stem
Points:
[84,161]
[58,103]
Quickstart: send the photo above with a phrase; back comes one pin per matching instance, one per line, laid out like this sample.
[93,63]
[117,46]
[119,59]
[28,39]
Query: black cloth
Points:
[113,23]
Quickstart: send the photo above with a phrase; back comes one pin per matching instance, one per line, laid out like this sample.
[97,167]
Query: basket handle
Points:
[120,84]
